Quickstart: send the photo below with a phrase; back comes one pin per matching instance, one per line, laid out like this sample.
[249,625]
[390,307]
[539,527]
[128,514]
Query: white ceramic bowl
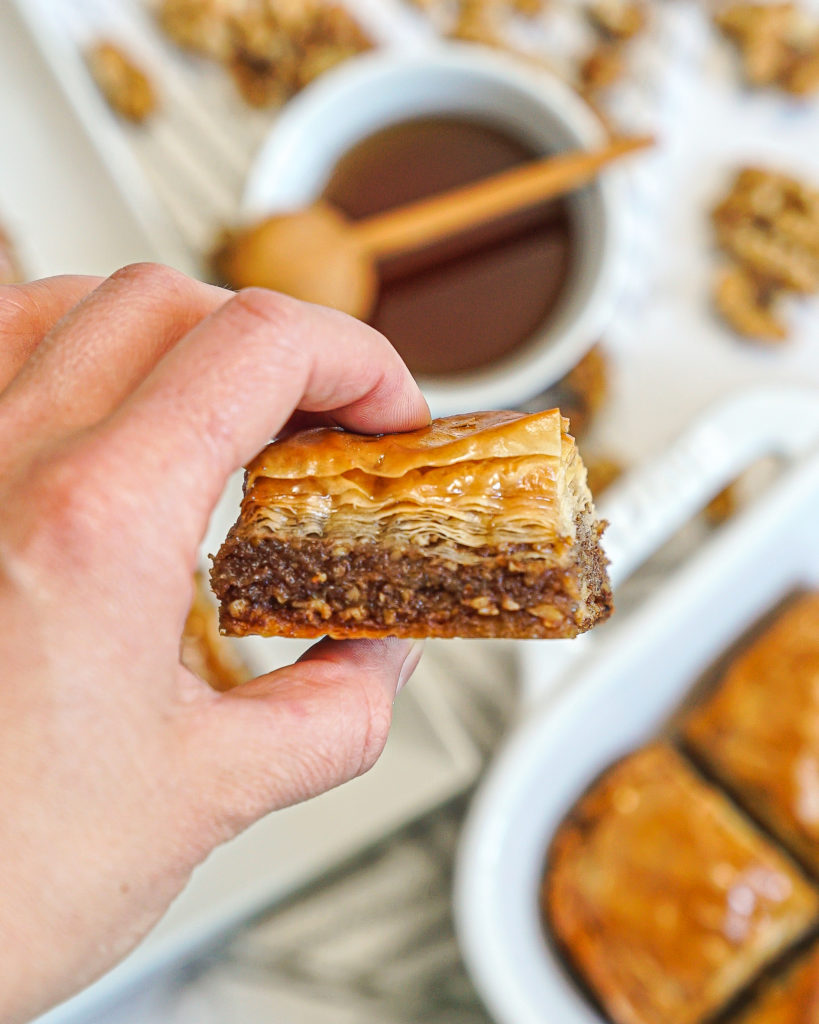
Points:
[385,87]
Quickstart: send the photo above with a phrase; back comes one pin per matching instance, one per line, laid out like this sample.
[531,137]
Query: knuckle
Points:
[266,304]
[149,275]
[281,317]
[72,510]
[271,326]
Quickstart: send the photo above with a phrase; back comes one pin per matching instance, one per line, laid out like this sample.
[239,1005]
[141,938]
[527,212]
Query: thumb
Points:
[294,733]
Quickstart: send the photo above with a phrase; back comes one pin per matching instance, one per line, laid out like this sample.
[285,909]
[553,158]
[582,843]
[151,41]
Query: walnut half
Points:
[778,42]
[748,305]
[123,83]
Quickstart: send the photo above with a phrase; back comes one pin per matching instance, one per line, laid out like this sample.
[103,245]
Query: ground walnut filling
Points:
[308,585]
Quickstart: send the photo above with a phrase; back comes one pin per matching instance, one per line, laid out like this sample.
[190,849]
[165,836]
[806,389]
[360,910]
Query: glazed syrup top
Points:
[493,476]
[666,896]
[469,301]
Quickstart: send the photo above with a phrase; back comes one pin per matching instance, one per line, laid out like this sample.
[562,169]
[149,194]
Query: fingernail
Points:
[410,664]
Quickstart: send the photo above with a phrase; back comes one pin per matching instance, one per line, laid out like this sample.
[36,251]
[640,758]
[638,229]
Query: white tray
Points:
[629,682]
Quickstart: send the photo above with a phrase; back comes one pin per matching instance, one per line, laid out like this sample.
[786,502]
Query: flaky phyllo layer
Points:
[467,482]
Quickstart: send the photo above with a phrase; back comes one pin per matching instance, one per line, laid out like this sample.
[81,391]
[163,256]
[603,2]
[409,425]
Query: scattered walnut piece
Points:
[203,650]
[477,22]
[616,22]
[124,84]
[722,506]
[770,223]
[272,48]
[589,382]
[618,19]
[748,305]
[580,394]
[256,81]
[10,270]
[528,8]
[601,68]
[802,78]
[778,42]
[203,26]
[602,471]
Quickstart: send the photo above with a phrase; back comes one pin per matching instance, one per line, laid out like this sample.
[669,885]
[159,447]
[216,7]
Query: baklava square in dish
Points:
[664,897]
[480,525]
[758,729]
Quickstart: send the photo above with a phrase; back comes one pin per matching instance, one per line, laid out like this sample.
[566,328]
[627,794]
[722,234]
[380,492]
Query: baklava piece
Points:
[758,731]
[664,897]
[479,525]
[792,998]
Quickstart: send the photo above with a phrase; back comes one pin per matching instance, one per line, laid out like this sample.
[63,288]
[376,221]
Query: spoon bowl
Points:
[311,254]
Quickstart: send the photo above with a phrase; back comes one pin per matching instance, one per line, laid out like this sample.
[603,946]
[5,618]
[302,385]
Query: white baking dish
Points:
[625,687]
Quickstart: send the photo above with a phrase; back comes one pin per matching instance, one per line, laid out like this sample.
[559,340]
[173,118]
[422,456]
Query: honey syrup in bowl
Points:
[468,302]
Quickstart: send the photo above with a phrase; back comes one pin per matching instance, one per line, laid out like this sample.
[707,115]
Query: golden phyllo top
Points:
[330,451]
[489,477]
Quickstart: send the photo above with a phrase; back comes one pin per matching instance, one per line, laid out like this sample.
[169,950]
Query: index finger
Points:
[233,382]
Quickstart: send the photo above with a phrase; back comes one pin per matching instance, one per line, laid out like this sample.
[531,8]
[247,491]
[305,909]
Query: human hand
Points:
[127,404]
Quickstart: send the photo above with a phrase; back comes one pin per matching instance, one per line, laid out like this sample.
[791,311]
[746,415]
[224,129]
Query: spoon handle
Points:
[427,220]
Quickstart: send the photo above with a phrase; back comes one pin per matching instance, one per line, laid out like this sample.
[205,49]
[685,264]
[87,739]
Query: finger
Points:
[297,732]
[234,381]
[104,347]
[29,311]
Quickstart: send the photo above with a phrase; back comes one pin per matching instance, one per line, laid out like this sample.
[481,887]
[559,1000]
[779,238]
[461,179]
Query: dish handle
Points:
[652,502]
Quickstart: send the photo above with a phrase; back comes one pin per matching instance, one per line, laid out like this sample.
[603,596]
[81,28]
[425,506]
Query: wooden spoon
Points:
[319,255]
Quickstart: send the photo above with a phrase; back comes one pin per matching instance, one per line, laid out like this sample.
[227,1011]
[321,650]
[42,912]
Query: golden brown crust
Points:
[483,478]
[482,435]
[758,731]
[665,898]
